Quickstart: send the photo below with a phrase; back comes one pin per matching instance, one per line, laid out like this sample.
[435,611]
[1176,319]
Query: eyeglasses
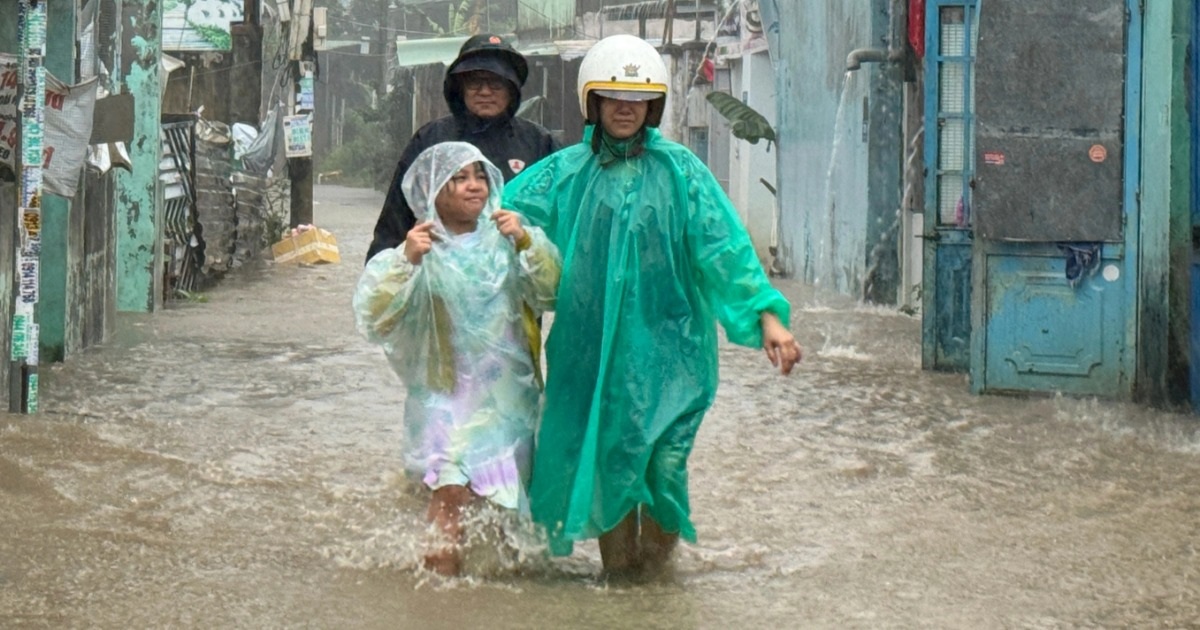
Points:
[477,82]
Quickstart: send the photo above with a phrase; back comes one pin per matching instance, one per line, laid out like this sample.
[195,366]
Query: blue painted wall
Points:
[839,157]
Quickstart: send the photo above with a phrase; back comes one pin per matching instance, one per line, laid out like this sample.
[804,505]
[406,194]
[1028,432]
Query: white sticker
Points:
[1111,273]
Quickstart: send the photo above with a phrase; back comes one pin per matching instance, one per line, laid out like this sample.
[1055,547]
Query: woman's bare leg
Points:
[446,511]
[619,547]
[656,546]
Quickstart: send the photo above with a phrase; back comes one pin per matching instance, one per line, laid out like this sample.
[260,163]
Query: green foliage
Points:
[746,123]
[365,157]
[277,216]
[466,17]
[219,38]
[191,296]
[366,18]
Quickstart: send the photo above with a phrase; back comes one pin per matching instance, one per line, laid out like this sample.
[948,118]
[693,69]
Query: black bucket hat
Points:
[488,53]
[493,54]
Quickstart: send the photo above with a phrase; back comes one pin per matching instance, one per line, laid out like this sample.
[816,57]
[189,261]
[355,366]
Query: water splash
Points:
[830,202]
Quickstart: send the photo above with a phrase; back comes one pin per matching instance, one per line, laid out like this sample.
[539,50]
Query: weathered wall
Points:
[838,190]
[139,214]
[8,249]
[93,280]
[206,81]
[54,292]
[8,225]
[1165,230]
[247,74]
[77,276]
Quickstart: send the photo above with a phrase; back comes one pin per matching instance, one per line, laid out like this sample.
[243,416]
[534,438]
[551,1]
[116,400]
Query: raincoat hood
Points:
[489,53]
[434,167]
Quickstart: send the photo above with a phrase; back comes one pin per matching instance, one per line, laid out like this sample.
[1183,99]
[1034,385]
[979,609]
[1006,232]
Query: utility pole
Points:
[298,126]
[23,376]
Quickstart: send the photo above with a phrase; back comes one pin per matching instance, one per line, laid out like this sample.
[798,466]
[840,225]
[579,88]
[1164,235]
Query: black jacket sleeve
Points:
[396,218]
[551,145]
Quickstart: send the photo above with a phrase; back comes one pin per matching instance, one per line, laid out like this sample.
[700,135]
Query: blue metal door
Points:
[1055,144]
[949,168]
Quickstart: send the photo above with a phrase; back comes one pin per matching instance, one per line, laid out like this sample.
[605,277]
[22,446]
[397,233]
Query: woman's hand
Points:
[509,224]
[779,344]
[418,242]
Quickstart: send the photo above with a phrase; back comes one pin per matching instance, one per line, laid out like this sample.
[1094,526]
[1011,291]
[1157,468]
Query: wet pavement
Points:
[233,463]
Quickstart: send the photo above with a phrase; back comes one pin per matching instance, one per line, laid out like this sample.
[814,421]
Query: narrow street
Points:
[232,462]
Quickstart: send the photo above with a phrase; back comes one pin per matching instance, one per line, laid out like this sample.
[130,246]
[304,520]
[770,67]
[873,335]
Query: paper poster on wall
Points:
[20,336]
[60,142]
[297,130]
[197,25]
[304,100]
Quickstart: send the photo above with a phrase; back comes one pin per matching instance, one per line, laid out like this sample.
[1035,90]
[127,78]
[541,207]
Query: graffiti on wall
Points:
[199,24]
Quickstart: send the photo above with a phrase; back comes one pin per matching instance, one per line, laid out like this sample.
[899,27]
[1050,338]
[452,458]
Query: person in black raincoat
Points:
[483,90]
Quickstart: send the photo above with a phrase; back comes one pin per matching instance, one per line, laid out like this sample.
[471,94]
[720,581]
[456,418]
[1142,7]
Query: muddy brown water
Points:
[233,464]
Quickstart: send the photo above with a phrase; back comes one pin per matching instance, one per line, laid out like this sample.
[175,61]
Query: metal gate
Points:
[1052,264]
[177,174]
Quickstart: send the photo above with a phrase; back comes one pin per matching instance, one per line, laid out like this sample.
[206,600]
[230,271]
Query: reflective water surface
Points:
[233,463]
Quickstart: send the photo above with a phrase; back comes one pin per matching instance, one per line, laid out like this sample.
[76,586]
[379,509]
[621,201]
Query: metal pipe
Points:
[860,56]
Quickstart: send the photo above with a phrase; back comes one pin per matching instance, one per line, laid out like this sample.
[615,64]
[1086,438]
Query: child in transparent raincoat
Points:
[454,308]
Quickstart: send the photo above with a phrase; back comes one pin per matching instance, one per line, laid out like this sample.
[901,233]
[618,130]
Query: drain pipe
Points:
[896,50]
[859,56]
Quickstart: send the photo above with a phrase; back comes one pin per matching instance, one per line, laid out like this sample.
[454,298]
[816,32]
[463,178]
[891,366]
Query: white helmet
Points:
[623,67]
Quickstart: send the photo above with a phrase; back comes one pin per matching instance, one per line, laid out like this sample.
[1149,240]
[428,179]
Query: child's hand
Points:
[419,242]
[780,345]
[509,224]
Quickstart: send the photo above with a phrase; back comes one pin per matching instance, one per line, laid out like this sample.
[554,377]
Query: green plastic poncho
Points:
[653,256]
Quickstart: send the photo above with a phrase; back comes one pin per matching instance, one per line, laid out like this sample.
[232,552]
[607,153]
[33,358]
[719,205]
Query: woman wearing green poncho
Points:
[653,255]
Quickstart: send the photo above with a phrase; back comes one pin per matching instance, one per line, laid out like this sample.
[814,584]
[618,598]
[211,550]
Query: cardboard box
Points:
[310,246]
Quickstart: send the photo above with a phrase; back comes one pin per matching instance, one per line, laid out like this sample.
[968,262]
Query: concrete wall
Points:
[139,212]
[838,189]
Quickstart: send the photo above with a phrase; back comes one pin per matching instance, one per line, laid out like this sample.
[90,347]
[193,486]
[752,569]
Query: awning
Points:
[443,50]
[420,52]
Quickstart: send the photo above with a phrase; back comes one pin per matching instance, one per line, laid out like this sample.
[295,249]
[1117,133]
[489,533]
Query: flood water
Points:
[234,464]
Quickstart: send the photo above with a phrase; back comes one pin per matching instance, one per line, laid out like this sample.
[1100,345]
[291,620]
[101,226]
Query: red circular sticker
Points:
[1098,153]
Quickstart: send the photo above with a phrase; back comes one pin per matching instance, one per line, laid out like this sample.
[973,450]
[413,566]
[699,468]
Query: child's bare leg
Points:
[618,547]
[445,511]
[656,546]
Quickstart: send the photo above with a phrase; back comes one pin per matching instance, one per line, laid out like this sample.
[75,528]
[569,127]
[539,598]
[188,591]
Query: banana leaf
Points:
[745,123]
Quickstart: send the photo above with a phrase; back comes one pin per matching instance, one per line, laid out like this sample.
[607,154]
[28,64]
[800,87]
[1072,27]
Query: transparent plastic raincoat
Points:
[653,256]
[460,330]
